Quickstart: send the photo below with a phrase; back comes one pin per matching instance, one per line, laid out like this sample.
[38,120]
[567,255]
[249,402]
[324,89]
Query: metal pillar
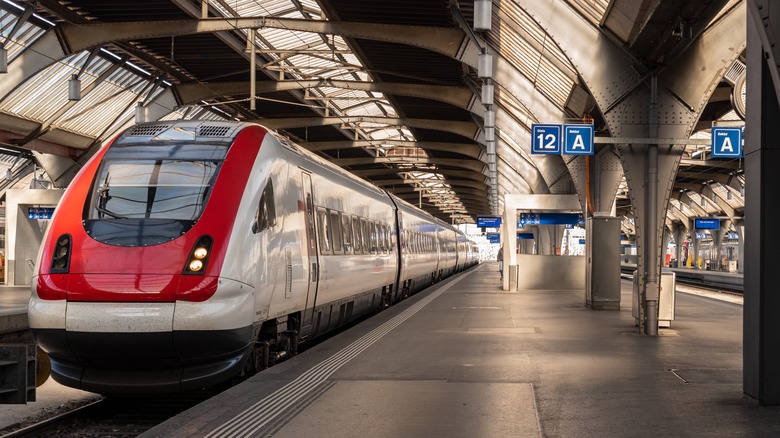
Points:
[650,292]
[761,351]
[679,238]
[740,227]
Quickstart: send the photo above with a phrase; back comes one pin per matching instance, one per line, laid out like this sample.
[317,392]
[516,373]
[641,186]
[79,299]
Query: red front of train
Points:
[129,294]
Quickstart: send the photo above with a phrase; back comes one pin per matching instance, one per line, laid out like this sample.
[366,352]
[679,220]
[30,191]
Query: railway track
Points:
[113,417]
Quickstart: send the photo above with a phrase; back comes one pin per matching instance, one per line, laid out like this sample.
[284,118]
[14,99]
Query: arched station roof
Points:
[392,91]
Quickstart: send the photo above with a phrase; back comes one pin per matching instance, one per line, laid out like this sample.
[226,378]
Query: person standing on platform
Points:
[500,259]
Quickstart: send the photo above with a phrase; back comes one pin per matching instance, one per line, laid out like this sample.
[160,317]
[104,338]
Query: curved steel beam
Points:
[476,166]
[464,129]
[464,186]
[471,150]
[461,97]
[460,174]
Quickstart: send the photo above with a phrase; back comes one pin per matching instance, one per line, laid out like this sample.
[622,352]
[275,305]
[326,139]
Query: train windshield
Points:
[151,193]
[152,189]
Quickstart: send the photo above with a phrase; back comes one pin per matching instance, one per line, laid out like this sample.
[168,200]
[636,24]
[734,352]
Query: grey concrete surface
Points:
[475,361]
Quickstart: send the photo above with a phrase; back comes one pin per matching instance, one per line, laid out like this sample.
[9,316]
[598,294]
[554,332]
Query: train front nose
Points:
[125,348]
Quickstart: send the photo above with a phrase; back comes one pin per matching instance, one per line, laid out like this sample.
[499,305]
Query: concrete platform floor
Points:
[465,359]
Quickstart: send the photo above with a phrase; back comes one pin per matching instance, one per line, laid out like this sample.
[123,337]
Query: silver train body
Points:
[297,247]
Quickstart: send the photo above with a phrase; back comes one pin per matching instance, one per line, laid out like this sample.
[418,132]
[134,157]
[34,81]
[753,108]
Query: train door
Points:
[311,255]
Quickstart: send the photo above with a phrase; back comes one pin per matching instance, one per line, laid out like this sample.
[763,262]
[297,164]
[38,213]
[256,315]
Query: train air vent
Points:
[214,131]
[146,130]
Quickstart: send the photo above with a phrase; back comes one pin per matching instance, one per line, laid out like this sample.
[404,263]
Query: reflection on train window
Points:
[357,235]
[152,189]
[366,236]
[265,216]
[385,238]
[336,235]
[324,230]
[346,229]
[372,233]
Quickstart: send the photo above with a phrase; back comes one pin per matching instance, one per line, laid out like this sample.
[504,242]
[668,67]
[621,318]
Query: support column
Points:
[761,350]
[597,180]
[665,247]
[740,227]
[680,238]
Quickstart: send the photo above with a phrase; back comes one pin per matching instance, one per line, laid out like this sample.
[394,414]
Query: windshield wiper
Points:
[110,213]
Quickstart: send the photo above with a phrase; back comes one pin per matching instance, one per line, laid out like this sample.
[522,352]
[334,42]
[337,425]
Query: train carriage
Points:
[187,252]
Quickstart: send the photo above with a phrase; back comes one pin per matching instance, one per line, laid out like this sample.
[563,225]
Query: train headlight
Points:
[60,260]
[199,256]
[196,265]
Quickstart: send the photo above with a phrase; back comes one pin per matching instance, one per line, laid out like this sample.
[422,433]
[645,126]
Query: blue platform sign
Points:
[726,142]
[494,237]
[489,221]
[578,139]
[550,219]
[706,223]
[525,236]
[40,213]
[545,139]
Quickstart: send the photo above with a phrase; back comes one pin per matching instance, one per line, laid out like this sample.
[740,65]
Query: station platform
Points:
[466,359]
[13,308]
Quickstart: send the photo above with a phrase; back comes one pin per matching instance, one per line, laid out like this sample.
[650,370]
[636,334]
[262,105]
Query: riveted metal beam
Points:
[465,129]
[457,96]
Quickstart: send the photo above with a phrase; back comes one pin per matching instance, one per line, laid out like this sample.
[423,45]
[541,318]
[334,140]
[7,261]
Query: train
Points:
[186,253]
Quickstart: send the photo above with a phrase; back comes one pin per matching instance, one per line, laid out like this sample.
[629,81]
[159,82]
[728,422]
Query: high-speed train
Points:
[188,252]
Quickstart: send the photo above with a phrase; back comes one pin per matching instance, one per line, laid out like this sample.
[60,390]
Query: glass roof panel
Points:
[24,37]
[526,45]
[593,10]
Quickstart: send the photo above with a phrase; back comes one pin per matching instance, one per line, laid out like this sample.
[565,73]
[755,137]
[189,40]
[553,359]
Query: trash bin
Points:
[666,299]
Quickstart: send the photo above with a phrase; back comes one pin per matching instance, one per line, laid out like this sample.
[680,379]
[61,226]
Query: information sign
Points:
[525,236]
[545,139]
[578,139]
[40,213]
[494,237]
[489,221]
[550,219]
[726,142]
[706,223]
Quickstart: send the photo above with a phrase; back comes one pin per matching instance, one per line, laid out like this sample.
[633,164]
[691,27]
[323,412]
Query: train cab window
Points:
[336,235]
[346,230]
[357,235]
[323,229]
[265,215]
[167,194]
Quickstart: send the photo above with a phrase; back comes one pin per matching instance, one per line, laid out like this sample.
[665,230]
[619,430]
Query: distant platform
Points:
[13,308]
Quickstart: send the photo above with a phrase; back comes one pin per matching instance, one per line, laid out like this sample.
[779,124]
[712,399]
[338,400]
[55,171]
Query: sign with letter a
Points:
[726,142]
[578,139]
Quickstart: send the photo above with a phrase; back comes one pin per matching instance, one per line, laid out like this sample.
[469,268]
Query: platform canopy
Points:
[406,94]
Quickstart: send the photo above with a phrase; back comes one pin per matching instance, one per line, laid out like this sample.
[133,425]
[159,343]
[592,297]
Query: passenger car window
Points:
[357,235]
[346,229]
[324,230]
[336,235]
